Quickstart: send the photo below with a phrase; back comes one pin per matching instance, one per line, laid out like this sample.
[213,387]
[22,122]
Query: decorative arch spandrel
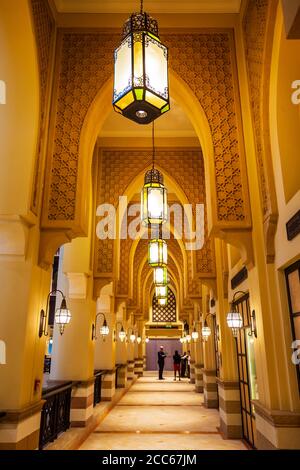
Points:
[204,60]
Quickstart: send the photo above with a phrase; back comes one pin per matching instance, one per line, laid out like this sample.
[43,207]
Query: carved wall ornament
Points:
[204,60]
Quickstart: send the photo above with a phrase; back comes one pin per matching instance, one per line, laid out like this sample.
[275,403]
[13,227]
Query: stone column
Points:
[130,355]
[23,289]
[228,382]
[199,361]
[121,353]
[138,352]
[72,353]
[105,347]
[209,371]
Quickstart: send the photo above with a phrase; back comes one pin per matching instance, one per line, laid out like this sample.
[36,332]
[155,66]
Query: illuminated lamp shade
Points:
[161,292]
[139,340]
[132,337]
[62,316]
[147,340]
[163,302]
[235,322]
[122,334]
[153,199]
[157,253]
[195,334]
[141,84]
[206,331]
[104,330]
[160,276]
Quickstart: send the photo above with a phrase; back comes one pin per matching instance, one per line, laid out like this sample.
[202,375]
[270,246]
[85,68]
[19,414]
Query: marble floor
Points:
[160,415]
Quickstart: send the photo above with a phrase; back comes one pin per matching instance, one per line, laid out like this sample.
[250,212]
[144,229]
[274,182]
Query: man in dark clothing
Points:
[161,362]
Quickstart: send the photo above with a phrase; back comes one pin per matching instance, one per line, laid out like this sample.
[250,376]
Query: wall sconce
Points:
[131,335]
[139,340]
[234,318]
[253,325]
[62,315]
[206,330]
[104,329]
[195,334]
[122,333]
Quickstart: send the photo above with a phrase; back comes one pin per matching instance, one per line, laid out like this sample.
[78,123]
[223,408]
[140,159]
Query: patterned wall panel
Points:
[120,166]
[44,28]
[258,15]
[205,61]
[167,313]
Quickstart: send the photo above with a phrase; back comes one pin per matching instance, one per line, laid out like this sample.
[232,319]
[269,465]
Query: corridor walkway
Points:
[160,415]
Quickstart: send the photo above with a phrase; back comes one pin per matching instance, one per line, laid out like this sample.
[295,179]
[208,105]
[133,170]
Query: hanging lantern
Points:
[160,276]
[163,302]
[139,340]
[153,199]
[141,89]
[161,292]
[147,340]
[235,322]
[157,253]
[62,316]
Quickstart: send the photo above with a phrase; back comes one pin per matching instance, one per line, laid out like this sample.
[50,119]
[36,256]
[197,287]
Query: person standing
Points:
[183,364]
[176,364]
[161,362]
[189,364]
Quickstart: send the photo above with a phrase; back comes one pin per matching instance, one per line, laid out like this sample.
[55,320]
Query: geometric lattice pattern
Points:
[164,313]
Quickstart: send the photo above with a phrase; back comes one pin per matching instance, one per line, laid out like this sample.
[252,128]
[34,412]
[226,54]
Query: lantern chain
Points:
[153,146]
[142,4]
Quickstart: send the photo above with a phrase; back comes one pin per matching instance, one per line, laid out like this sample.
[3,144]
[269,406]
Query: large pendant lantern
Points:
[141,89]
[157,253]
[160,276]
[161,292]
[153,199]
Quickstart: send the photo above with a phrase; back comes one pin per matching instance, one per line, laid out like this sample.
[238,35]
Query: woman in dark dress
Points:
[176,364]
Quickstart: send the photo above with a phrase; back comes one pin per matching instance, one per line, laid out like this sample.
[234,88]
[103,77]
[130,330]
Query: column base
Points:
[210,389]
[122,376]
[108,388]
[20,429]
[192,372]
[82,403]
[276,429]
[199,378]
[230,409]
[130,370]
[138,366]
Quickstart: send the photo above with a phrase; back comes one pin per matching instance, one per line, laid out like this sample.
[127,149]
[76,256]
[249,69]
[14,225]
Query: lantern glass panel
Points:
[123,69]
[160,276]
[156,68]
[138,60]
[161,291]
[163,302]
[62,316]
[158,253]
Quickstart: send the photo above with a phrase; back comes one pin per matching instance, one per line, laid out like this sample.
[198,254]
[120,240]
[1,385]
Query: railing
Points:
[55,417]
[97,385]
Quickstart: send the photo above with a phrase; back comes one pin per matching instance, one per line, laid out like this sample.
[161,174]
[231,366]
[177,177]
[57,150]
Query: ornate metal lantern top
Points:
[138,22]
[154,176]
